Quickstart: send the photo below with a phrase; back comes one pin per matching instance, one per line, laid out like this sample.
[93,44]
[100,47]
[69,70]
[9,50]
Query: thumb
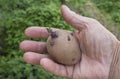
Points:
[75,20]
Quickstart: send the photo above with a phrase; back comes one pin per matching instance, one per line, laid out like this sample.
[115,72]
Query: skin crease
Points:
[97,44]
[115,64]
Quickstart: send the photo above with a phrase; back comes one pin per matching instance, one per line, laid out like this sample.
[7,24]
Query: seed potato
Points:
[63,47]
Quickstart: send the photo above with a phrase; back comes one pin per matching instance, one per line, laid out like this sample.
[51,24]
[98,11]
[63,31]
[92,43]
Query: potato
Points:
[63,47]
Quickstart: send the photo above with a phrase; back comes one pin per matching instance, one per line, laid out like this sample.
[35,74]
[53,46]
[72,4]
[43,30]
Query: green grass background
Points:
[17,15]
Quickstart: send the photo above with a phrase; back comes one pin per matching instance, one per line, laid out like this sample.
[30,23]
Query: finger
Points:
[34,58]
[36,32]
[33,46]
[73,19]
[53,67]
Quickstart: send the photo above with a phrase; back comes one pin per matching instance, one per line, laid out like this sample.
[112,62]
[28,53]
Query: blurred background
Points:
[17,15]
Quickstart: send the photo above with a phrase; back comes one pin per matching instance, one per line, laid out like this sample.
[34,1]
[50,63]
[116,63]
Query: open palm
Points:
[96,44]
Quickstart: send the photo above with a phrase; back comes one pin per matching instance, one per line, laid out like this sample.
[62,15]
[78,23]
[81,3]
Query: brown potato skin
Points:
[64,49]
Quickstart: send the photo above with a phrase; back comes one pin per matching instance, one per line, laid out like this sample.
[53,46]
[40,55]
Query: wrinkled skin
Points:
[97,44]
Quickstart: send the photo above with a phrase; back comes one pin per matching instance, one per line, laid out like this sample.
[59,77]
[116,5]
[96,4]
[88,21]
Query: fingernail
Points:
[64,6]
[68,9]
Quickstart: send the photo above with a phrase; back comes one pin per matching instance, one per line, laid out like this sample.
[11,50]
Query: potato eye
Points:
[68,38]
[71,34]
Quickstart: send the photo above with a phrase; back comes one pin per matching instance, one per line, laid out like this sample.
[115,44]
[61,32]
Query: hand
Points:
[96,42]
